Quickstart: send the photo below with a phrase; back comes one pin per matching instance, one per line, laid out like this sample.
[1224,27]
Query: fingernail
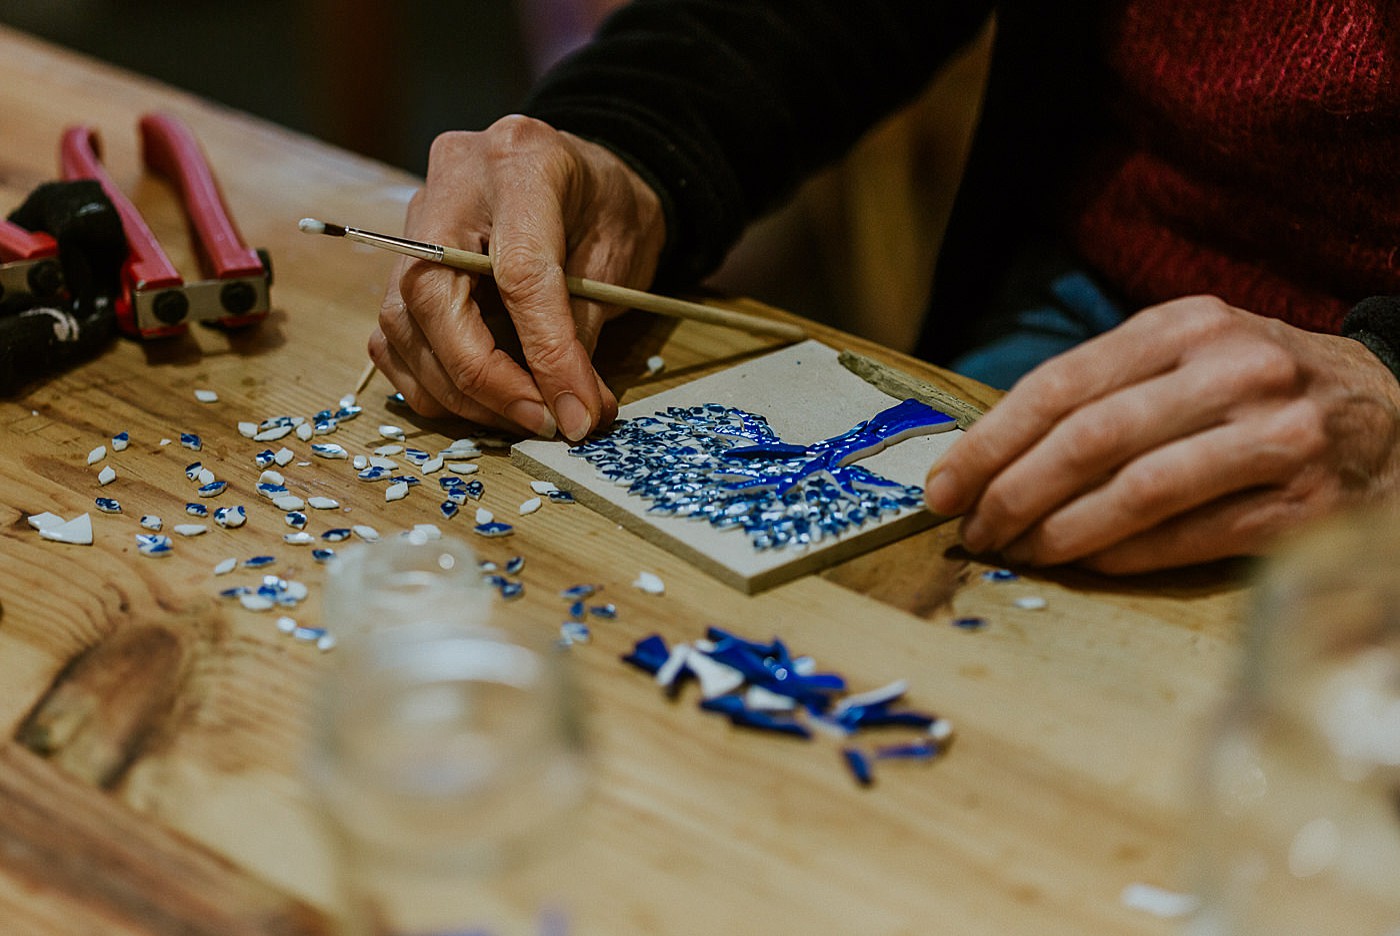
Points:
[572,415]
[940,493]
[533,416]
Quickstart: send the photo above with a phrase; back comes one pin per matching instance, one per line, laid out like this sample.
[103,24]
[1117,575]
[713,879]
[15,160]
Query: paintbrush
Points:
[605,293]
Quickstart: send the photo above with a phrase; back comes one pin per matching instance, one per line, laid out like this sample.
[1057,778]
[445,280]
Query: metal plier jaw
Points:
[155,299]
[29,268]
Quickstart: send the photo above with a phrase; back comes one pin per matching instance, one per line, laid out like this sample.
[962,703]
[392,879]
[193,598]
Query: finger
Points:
[419,400]
[1240,525]
[1268,450]
[527,256]
[445,343]
[1095,440]
[1146,345]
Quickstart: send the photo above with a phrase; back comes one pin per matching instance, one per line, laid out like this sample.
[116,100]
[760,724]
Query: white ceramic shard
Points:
[286,624]
[45,521]
[655,364]
[391,432]
[255,602]
[323,503]
[367,533]
[120,442]
[396,491]
[427,531]
[379,461]
[387,450]
[359,462]
[529,506]
[226,566]
[283,456]
[431,465]
[271,477]
[300,538]
[484,516]
[305,431]
[190,529]
[77,531]
[151,522]
[204,476]
[288,502]
[716,678]
[247,429]
[1030,602]
[463,468]
[272,434]
[107,475]
[97,454]
[206,396]
[543,487]
[650,583]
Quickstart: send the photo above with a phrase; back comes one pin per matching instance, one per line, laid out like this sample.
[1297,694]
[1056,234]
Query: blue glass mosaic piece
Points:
[744,717]
[727,467]
[881,715]
[859,765]
[212,489]
[259,562]
[108,505]
[323,555]
[649,654]
[195,509]
[494,528]
[915,750]
[191,441]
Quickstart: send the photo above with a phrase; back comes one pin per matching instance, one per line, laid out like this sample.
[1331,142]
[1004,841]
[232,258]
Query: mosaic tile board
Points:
[805,395]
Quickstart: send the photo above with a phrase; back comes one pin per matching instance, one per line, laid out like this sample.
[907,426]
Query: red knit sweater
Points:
[1263,157]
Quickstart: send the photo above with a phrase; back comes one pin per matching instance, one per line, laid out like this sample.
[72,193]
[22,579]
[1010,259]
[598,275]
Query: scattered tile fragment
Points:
[494,529]
[120,441]
[77,531]
[365,532]
[529,506]
[206,396]
[391,432]
[1030,602]
[396,491]
[151,522]
[1159,901]
[195,509]
[108,505]
[190,529]
[650,583]
[191,441]
[107,475]
[97,454]
[230,517]
[323,503]
[655,364]
[329,450]
[212,489]
[305,431]
[288,502]
[283,456]
[258,562]
[154,545]
[969,623]
[225,566]
[299,538]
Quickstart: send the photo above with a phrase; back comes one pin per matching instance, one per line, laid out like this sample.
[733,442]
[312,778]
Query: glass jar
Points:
[447,752]
[1300,830]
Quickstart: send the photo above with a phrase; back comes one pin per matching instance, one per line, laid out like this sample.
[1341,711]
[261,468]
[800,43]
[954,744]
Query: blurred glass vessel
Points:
[1300,830]
[446,753]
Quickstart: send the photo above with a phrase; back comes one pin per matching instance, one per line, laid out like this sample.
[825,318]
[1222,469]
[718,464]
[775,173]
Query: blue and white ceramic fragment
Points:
[230,517]
[108,505]
[196,509]
[493,529]
[154,545]
[191,441]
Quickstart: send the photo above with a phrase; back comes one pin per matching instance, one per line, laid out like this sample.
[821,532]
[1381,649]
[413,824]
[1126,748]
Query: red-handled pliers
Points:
[28,264]
[155,299]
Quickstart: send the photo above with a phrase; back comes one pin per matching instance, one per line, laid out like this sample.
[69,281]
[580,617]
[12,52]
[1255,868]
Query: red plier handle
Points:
[18,244]
[155,299]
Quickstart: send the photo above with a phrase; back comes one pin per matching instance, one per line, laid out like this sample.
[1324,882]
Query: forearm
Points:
[725,105]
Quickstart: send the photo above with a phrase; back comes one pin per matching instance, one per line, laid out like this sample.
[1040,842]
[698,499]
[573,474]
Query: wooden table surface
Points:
[166,794]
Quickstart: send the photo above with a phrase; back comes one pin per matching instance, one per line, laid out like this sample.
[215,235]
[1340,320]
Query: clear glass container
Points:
[1300,830]
[447,752]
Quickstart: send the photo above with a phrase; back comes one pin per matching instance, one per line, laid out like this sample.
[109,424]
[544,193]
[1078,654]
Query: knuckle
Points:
[521,274]
[516,133]
[1089,440]
[1302,430]
[1148,488]
[470,373]
[1267,367]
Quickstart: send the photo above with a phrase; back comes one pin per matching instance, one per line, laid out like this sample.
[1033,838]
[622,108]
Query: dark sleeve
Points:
[1375,322]
[724,106]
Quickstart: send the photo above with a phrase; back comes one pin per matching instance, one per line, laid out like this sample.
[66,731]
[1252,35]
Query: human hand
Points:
[545,204]
[1192,432]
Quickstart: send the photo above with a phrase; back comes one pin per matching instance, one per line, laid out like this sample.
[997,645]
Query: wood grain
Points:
[1078,724]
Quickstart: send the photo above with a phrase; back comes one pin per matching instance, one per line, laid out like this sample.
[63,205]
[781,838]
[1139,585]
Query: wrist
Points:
[1375,323]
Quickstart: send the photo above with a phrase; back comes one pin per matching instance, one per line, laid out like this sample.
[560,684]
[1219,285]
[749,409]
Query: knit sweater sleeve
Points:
[1375,322]
[724,106]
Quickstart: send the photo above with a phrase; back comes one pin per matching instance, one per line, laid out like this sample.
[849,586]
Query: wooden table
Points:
[173,803]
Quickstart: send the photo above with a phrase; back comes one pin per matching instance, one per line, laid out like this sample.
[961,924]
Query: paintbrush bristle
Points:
[312,226]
